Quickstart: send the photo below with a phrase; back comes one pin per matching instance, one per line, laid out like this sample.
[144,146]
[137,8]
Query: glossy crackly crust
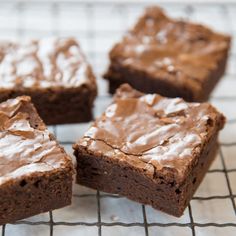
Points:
[169,57]
[54,73]
[44,63]
[153,131]
[160,191]
[159,158]
[35,172]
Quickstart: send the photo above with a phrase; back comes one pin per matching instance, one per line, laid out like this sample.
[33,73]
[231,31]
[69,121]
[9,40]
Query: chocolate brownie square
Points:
[151,149]
[35,172]
[171,57]
[54,73]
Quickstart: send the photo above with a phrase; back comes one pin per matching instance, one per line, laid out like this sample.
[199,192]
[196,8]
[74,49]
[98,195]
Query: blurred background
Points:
[98,25]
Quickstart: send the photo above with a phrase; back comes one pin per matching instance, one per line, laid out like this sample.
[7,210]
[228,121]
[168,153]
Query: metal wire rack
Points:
[98,25]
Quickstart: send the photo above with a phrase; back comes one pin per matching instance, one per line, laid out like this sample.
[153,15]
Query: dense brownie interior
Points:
[149,148]
[35,172]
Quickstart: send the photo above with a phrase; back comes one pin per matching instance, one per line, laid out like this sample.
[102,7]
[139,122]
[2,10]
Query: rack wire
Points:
[92,37]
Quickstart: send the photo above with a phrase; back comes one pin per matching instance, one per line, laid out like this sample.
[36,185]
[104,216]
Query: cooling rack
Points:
[97,25]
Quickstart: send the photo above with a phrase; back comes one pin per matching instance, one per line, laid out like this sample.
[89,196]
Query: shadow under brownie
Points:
[35,172]
[151,149]
[54,73]
[174,58]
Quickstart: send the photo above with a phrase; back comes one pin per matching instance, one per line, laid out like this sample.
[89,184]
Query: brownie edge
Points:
[35,173]
[55,73]
[150,149]
[173,58]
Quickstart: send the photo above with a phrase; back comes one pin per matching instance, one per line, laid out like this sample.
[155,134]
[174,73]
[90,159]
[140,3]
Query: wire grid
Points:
[91,35]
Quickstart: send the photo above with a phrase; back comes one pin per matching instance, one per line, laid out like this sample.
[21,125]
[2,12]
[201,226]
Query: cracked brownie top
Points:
[26,146]
[45,63]
[153,132]
[175,50]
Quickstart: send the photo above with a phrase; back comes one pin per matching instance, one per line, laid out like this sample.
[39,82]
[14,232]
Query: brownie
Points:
[54,73]
[151,149]
[171,57]
[35,172]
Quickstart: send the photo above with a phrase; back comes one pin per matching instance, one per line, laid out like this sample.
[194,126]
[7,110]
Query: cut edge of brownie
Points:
[40,191]
[58,103]
[112,176]
[118,74]
[100,172]
[34,194]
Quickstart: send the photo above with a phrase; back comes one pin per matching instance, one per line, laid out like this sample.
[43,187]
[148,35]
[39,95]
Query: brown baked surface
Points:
[54,73]
[171,57]
[149,148]
[35,172]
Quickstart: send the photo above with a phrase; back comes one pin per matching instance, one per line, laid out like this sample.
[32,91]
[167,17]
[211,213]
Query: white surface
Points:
[98,27]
